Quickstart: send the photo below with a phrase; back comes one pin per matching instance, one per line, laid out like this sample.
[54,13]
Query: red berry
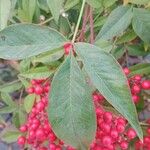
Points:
[131,134]
[38,90]
[146,85]
[30,90]
[40,135]
[23,128]
[148,131]
[124,145]
[114,134]
[135,98]
[21,140]
[108,117]
[106,140]
[136,89]
[67,48]
[126,71]
[120,128]
[138,78]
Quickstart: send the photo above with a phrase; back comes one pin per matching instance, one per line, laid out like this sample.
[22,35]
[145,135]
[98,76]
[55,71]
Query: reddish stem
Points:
[91,26]
[85,19]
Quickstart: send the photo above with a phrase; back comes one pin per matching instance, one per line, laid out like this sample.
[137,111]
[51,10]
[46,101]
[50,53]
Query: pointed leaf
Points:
[7,99]
[109,79]
[7,109]
[10,87]
[55,7]
[5,8]
[25,40]
[140,2]
[37,73]
[9,135]
[142,69]
[141,23]
[117,22]
[29,102]
[71,110]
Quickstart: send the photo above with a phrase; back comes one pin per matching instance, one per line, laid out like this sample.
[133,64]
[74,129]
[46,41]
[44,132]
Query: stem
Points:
[46,21]
[91,26]
[78,23]
[85,19]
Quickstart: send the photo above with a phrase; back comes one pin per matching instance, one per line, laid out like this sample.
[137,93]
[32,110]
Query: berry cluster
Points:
[111,130]
[137,85]
[37,131]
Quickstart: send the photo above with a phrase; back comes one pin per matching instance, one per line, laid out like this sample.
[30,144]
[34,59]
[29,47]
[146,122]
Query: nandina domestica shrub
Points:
[81,74]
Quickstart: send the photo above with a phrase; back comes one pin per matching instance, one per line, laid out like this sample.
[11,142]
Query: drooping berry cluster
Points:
[137,84]
[37,132]
[112,132]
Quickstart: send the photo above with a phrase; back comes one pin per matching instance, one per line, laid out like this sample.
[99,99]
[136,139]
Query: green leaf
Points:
[95,3]
[10,87]
[10,135]
[108,77]
[55,8]
[25,40]
[70,3]
[108,3]
[19,118]
[140,2]
[107,46]
[118,52]
[29,102]
[141,23]
[5,8]
[25,65]
[7,99]
[136,50]
[117,22]
[142,69]
[71,111]
[127,37]
[24,81]
[27,10]
[7,109]
[49,57]
[43,5]
[37,73]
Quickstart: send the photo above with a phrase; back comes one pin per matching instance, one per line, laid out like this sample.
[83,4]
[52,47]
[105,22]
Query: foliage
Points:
[81,46]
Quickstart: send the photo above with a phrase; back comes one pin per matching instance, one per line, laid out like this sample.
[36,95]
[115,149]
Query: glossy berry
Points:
[21,140]
[23,128]
[135,98]
[146,84]
[136,89]
[67,48]
[124,145]
[38,90]
[126,71]
[106,140]
[131,134]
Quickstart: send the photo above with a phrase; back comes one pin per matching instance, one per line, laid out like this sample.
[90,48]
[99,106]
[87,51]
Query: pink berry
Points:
[21,140]
[67,48]
[124,145]
[108,117]
[120,128]
[135,99]
[126,71]
[146,85]
[23,128]
[131,134]
[106,140]
[136,89]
